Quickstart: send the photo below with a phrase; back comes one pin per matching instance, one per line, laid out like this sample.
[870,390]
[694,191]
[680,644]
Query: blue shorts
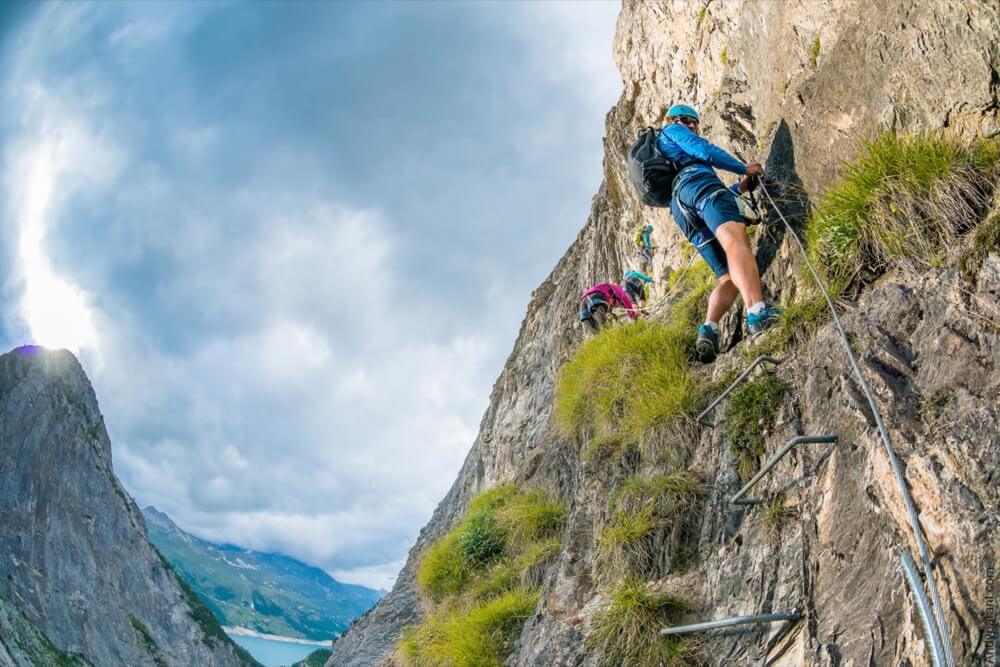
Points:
[699,225]
[718,208]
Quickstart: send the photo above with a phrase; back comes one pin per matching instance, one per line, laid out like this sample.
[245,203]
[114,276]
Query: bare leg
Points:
[721,299]
[742,264]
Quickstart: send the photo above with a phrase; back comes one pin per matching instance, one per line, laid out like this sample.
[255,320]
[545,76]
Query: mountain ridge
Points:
[77,564]
[263,591]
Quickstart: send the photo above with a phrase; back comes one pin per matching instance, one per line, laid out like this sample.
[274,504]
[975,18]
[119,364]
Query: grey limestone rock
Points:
[74,558]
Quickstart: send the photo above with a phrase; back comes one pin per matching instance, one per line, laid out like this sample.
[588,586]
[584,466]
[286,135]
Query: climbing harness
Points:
[939,637]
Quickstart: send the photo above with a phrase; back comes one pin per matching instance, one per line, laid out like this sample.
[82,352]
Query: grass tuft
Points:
[628,380]
[751,409]
[480,634]
[642,509]
[443,571]
[670,494]
[483,578]
[901,203]
[724,56]
[814,53]
[775,515]
[627,630]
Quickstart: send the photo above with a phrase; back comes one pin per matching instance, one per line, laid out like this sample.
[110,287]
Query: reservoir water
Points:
[273,653]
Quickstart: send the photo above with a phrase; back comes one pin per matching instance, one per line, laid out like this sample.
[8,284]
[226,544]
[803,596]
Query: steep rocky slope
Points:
[798,84]
[76,564]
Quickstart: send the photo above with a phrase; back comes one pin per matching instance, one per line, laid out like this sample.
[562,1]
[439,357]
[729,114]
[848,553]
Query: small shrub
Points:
[477,635]
[814,53]
[701,14]
[939,402]
[900,203]
[724,57]
[481,539]
[750,410]
[627,630]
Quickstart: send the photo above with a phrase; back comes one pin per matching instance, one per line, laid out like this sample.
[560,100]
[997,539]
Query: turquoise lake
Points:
[274,653]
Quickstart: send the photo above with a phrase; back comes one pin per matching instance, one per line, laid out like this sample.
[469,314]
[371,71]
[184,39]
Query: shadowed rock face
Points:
[908,65]
[75,560]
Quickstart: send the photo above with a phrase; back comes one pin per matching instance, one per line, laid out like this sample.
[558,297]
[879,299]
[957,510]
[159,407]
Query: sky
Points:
[292,244]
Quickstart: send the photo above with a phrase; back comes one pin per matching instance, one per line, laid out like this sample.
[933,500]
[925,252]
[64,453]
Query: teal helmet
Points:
[682,110]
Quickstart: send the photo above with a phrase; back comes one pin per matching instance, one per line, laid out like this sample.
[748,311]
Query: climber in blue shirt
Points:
[709,216]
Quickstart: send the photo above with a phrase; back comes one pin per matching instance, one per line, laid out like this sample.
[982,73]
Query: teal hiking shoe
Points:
[765,319]
[707,346]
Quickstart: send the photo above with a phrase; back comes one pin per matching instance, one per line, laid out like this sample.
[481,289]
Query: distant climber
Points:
[644,243]
[709,216]
[635,283]
[598,302]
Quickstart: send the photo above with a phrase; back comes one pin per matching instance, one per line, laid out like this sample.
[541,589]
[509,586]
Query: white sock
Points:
[757,308]
[714,325]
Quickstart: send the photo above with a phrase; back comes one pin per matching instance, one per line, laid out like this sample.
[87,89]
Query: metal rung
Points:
[793,615]
[798,440]
[737,382]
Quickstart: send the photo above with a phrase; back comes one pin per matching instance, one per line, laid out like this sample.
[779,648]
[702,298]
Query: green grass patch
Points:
[751,409]
[481,634]
[627,630]
[814,53]
[901,203]
[628,380]
[483,578]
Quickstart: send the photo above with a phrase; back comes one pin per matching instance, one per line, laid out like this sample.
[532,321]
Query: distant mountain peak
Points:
[159,518]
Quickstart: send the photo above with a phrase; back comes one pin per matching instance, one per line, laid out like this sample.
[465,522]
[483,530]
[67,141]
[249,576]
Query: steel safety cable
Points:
[942,628]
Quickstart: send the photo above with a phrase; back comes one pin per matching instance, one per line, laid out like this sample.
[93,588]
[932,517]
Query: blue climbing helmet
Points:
[682,110]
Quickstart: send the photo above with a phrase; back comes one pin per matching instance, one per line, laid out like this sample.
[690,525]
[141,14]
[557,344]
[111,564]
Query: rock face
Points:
[76,563]
[798,84]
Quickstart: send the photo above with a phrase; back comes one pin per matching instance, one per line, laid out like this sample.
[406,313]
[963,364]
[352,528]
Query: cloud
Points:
[293,244]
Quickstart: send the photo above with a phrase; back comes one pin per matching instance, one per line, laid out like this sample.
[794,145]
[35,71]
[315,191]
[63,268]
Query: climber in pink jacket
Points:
[599,300]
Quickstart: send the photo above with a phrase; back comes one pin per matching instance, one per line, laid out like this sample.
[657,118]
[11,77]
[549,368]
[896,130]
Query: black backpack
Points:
[652,174]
